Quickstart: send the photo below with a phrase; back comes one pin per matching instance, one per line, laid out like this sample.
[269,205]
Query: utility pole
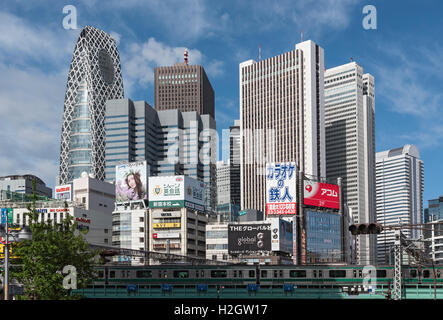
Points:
[397,265]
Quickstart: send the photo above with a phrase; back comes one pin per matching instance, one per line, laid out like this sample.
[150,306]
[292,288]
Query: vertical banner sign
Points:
[10,216]
[4,215]
[281,188]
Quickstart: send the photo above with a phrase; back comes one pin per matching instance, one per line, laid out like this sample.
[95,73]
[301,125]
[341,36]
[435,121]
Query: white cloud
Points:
[140,60]
[116,36]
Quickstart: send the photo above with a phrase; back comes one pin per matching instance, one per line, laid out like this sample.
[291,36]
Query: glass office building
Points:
[323,237]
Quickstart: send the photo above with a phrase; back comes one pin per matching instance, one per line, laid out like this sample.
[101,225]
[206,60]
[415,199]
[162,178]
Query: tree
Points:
[41,260]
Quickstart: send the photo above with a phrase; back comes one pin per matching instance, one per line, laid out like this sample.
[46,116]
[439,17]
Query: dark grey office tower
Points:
[184,87]
[94,77]
[234,162]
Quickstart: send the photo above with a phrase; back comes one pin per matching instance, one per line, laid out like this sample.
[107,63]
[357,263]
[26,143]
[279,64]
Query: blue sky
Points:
[404,54]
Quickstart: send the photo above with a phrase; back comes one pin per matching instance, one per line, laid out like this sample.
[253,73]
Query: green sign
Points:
[167,204]
[10,215]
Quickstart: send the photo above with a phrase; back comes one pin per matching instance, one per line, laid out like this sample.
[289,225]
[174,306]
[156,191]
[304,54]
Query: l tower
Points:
[94,77]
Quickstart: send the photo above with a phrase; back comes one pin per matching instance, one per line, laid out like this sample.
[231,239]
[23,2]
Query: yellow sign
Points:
[2,252]
[166,225]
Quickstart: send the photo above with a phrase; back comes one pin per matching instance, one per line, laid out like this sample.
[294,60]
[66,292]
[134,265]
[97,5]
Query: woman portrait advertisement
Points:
[132,188]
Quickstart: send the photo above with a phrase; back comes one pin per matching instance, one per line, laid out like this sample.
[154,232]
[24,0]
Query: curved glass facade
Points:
[80,143]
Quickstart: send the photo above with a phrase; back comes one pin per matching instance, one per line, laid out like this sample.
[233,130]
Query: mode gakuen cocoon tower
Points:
[94,77]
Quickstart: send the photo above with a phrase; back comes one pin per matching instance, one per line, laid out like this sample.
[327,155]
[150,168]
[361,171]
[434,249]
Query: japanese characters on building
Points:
[281,188]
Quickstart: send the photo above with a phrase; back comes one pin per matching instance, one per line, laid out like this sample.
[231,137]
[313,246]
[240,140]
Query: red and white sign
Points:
[63,192]
[281,208]
[321,194]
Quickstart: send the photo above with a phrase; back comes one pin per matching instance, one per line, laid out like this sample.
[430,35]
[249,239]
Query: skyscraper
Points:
[94,77]
[184,87]
[234,162]
[281,116]
[172,142]
[350,145]
[399,174]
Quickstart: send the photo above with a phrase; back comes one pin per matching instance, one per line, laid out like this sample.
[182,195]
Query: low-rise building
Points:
[23,184]
[217,241]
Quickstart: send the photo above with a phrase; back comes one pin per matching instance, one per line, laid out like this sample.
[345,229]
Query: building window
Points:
[142,239]
[141,219]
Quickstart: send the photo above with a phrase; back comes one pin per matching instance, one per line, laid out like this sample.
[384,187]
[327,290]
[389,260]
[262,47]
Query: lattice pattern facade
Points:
[94,77]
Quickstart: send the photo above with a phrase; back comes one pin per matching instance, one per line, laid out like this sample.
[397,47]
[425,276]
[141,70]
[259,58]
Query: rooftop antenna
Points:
[351,59]
[259,52]
[186,55]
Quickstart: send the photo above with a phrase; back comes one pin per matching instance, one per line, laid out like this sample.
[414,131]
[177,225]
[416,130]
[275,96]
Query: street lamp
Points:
[24,234]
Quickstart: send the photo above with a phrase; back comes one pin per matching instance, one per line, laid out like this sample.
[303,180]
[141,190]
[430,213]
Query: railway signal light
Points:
[365,228]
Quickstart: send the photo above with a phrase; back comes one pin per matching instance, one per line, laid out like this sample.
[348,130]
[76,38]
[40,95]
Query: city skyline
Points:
[407,97]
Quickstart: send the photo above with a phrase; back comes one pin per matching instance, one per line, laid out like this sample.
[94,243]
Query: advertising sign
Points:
[166,225]
[321,194]
[166,235]
[249,238]
[176,191]
[281,233]
[63,192]
[131,181]
[7,213]
[281,188]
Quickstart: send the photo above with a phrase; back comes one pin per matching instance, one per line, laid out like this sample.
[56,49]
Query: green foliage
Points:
[41,260]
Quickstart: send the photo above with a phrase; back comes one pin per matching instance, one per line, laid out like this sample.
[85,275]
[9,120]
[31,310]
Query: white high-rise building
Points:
[399,192]
[350,145]
[281,117]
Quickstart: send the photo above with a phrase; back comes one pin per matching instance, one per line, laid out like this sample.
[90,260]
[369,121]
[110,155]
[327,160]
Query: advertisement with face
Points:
[131,181]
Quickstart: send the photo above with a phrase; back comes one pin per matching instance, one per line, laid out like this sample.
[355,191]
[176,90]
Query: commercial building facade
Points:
[399,174]
[94,77]
[281,117]
[23,184]
[172,142]
[350,145]
[434,211]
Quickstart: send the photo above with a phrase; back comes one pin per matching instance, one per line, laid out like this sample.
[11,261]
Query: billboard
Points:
[321,194]
[281,233]
[281,188]
[131,181]
[7,213]
[176,191]
[63,192]
[249,238]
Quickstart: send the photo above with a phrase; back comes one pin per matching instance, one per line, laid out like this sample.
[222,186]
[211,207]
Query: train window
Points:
[297,273]
[354,273]
[218,274]
[196,273]
[240,273]
[264,273]
[202,273]
[360,273]
[181,274]
[111,274]
[101,274]
[251,273]
[413,273]
[314,272]
[320,273]
[337,273]
[143,274]
[275,273]
[280,273]
[235,273]
[438,273]
[426,273]
[381,273]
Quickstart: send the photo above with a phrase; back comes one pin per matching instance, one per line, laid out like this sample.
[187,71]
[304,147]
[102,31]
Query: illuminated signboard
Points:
[166,225]
[321,194]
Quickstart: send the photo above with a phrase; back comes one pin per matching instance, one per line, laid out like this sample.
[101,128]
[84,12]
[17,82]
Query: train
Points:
[275,281]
